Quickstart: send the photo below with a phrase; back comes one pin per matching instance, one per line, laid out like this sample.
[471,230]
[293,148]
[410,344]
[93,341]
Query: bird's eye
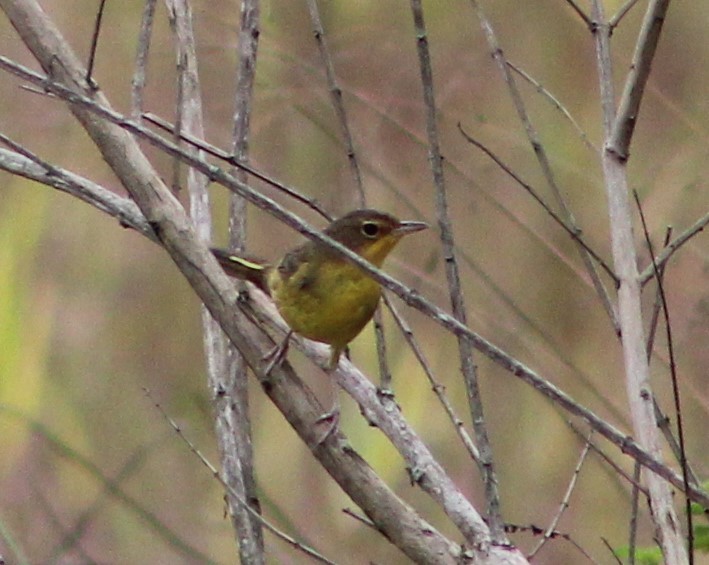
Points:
[370,229]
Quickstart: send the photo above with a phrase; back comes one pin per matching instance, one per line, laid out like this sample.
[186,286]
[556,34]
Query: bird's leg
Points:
[277,354]
[332,417]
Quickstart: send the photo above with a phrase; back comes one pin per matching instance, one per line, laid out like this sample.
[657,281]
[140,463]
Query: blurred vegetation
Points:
[91,314]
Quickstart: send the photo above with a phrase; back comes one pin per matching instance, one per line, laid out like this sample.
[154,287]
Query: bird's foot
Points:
[331,421]
[276,356]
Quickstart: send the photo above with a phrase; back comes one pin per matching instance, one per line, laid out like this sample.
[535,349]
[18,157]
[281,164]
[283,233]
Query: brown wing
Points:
[299,263]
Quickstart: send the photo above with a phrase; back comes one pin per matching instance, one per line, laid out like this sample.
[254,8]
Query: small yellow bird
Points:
[320,294]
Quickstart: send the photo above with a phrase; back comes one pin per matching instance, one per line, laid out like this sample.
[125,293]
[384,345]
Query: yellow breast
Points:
[330,303]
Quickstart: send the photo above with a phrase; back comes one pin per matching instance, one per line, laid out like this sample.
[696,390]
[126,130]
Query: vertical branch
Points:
[231,400]
[231,419]
[465,345]
[141,59]
[673,375]
[637,378]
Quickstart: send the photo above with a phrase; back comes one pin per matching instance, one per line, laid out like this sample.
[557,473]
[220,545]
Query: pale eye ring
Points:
[370,229]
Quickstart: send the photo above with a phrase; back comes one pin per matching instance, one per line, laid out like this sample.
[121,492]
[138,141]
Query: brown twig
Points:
[564,502]
[141,59]
[465,346]
[673,376]
[94,44]
[237,496]
[574,233]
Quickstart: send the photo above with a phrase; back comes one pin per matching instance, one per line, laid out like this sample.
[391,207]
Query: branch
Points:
[624,124]
[409,296]
[538,148]
[465,346]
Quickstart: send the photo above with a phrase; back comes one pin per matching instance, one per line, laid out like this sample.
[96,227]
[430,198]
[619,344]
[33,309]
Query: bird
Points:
[321,295]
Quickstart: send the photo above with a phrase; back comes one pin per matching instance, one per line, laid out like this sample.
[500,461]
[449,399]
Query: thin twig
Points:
[673,246]
[657,307]
[232,160]
[564,502]
[543,159]
[576,8]
[310,552]
[557,104]
[94,44]
[537,531]
[634,507]
[465,346]
[574,232]
[616,468]
[673,376]
[663,422]
[336,98]
[359,518]
[609,547]
[438,389]
[141,59]
[620,14]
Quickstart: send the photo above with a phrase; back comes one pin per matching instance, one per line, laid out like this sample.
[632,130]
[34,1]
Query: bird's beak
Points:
[405,228]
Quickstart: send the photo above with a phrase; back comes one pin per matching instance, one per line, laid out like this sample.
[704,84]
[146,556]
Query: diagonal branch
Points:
[542,158]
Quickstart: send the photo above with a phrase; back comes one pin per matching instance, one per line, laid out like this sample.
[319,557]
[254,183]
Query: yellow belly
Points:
[332,307]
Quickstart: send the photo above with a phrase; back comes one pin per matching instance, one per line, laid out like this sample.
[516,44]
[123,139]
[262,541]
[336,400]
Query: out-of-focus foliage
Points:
[91,314]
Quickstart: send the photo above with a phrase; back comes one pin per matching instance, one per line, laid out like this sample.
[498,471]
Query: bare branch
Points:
[30,166]
[409,296]
[564,502]
[673,246]
[637,377]
[465,346]
[624,124]
[141,59]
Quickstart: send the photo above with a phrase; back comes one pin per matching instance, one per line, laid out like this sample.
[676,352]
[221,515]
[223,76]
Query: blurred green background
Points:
[91,314]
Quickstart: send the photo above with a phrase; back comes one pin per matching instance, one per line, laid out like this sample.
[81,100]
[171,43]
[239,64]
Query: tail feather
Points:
[244,267]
